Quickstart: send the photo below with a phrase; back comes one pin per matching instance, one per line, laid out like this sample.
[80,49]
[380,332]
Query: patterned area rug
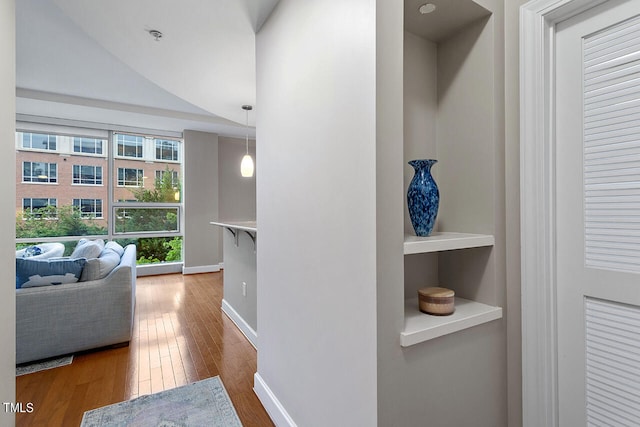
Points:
[43,365]
[203,403]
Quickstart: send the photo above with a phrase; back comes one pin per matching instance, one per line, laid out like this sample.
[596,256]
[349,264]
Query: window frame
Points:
[49,199]
[48,143]
[34,178]
[175,176]
[80,179]
[85,140]
[121,143]
[93,214]
[174,149]
[139,172]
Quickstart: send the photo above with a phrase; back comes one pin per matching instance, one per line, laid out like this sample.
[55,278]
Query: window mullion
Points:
[111,177]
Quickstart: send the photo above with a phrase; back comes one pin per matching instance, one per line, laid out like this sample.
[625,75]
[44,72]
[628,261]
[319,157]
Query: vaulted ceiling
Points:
[96,61]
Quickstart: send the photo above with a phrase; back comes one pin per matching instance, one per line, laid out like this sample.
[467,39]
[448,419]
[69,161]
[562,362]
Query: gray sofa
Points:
[72,317]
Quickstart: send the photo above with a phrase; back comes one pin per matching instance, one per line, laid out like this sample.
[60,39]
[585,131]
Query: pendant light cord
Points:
[246,128]
[247,108]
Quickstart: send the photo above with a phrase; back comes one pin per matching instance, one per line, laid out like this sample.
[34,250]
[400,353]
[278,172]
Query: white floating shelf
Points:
[420,327]
[444,241]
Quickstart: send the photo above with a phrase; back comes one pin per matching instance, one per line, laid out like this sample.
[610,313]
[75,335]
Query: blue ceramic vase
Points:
[423,197]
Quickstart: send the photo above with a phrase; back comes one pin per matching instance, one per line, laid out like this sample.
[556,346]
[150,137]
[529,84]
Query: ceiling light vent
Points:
[155,34]
[427,8]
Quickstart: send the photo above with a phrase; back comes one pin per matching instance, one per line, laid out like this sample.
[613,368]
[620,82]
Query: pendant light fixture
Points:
[246,166]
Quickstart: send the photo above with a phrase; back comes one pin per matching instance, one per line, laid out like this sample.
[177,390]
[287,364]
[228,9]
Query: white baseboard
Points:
[201,269]
[159,268]
[244,327]
[274,408]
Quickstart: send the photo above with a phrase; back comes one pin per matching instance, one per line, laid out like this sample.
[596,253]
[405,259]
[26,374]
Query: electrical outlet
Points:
[244,289]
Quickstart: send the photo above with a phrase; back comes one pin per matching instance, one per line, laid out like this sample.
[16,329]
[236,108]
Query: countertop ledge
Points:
[239,225]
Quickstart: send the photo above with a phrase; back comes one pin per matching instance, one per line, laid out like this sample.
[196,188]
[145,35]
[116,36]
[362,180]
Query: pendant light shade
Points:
[246,166]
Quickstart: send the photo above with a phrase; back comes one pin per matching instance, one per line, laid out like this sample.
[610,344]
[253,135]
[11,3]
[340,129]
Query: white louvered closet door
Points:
[597,183]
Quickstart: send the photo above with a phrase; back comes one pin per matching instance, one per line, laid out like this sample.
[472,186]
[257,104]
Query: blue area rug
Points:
[203,403]
[43,365]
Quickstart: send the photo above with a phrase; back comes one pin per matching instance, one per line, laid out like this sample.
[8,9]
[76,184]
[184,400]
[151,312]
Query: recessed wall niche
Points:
[449,115]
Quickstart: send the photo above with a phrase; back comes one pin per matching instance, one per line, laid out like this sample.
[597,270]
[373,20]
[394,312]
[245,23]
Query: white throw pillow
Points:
[115,246]
[99,268]
[88,249]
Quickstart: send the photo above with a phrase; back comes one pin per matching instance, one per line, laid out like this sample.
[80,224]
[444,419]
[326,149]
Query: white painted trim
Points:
[274,408]
[201,269]
[538,19]
[244,327]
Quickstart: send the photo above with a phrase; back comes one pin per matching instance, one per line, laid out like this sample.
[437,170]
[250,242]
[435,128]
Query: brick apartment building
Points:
[62,170]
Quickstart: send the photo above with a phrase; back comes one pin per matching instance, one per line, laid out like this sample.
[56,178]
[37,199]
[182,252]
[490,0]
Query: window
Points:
[89,175]
[147,220]
[129,145]
[166,150]
[39,141]
[40,208]
[89,208]
[175,179]
[129,177]
[39,172]
[98,187]
[87,145]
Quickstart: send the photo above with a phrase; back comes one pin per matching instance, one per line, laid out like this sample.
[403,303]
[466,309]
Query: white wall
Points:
[8,190]
[466,129]
[512,211]
[316,211]
[390,193]
[237,193]
[202,244]
[420,107]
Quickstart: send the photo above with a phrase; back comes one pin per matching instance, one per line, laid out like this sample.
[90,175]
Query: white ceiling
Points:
[95,61]
[448,17]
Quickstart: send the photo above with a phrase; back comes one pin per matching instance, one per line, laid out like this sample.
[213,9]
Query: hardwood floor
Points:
[180,336]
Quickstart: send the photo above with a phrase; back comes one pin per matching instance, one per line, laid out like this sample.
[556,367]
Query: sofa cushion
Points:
[34,272]
[115,246]
[99,268]
[88,248]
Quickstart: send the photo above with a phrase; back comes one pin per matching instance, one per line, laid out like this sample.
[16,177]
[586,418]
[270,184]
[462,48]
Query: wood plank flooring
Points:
[180,336]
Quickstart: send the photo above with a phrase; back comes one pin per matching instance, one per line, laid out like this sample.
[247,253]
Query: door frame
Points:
[538,19]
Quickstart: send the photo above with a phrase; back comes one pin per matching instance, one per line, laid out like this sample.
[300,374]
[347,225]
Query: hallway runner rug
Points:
[43,365]
[203,403]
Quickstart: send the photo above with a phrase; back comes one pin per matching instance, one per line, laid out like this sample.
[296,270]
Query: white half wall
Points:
[316,212]
[8,190]
[240,292]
